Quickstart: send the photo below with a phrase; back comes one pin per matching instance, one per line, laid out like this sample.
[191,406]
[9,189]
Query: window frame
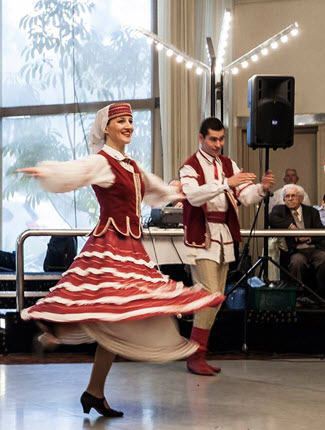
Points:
[151,104]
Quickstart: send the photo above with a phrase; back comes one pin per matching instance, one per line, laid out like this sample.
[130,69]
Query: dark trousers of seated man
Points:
[304,260]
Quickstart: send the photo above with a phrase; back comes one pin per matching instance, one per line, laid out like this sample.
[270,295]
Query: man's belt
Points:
[217,217]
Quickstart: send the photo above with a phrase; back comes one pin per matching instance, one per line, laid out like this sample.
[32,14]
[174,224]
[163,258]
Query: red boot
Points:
[215,369]
[196,363]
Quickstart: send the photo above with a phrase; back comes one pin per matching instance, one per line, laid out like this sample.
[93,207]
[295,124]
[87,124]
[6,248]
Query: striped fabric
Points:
[111,280]
[119,109]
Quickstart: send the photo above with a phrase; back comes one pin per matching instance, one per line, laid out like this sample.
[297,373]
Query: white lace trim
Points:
[111,317]
[104,254]
[115,272]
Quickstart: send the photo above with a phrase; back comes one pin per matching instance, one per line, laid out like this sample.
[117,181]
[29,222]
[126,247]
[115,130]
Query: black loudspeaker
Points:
[271,103]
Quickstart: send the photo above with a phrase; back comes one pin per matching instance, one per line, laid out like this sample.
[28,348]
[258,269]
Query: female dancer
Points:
[112,294]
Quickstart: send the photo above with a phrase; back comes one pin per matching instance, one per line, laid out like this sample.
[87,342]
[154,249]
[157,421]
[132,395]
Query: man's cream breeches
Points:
[212,276]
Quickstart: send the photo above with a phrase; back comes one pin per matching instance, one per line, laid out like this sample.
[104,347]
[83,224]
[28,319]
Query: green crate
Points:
[273,299]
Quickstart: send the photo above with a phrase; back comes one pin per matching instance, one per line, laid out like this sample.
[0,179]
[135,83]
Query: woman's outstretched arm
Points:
[64,176]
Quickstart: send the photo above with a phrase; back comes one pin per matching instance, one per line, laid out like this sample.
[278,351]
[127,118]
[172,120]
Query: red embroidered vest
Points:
[120,204]
[196,232]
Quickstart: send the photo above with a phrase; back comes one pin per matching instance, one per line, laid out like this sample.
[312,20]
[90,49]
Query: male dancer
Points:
[212,184]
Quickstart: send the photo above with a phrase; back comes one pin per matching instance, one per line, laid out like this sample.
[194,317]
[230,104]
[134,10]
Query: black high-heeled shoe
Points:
[89,401]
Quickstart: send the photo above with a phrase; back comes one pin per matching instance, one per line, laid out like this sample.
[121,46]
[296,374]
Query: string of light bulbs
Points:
[172,51]
[242,62]
[223,41]
[262,49]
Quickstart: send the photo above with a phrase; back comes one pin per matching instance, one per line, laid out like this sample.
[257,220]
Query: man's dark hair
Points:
[212,123]
[324,198]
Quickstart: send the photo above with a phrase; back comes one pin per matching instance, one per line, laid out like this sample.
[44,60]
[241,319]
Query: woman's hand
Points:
[31,171]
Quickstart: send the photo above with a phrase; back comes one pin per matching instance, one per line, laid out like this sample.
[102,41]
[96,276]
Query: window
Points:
[62,61]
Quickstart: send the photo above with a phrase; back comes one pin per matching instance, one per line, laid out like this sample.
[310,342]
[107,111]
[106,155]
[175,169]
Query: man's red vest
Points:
[120,204]
[196,231]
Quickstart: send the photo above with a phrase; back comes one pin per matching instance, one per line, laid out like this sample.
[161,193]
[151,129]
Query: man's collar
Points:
[209,158]
[114,153]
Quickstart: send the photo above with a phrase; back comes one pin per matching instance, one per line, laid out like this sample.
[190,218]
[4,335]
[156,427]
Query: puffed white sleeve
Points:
[157,192]
[249,192]
[197,194]
[65,176]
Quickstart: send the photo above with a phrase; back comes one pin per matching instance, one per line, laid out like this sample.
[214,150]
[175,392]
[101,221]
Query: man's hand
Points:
[299,239]
[293,227]
[303,239]
[268,180]
[240,178]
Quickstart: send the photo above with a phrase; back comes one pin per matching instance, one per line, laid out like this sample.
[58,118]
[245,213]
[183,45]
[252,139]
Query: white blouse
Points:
[62,177]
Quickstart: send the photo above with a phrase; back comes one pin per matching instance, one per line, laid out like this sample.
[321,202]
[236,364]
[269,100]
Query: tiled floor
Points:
[248,394]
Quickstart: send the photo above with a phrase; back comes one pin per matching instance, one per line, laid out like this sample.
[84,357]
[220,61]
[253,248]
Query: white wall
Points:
[303,57]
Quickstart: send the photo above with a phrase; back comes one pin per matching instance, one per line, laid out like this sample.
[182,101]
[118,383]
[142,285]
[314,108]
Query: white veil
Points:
[97,135]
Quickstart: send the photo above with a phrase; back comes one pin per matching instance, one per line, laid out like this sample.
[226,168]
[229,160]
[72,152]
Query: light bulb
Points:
[284,39]
[159,46]
[199,71]
[254,58]
[189,64]
[294,32]
[274,45]
[244,64]
[264,51]
[179,58]
[235,71]
[228,16]
[169,53]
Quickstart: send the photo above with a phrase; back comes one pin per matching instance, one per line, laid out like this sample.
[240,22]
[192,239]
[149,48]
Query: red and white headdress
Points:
[119,109]
[97,135]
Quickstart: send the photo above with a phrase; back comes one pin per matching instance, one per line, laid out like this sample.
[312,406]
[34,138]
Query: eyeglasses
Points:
[288,196]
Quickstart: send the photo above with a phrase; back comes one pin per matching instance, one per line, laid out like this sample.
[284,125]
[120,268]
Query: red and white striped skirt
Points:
[111,282]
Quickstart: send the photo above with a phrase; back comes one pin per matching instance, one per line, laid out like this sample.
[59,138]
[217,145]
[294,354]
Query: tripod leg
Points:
[245,276]
[241,280]
[244,346]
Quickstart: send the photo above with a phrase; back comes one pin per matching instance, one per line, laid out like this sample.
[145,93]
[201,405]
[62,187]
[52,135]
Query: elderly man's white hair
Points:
[298,188]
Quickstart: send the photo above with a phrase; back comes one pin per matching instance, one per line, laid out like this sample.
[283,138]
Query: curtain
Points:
[185,96]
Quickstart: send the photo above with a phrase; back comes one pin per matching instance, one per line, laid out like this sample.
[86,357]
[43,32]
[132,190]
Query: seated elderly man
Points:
[290,177]
[305,252]
[278,243]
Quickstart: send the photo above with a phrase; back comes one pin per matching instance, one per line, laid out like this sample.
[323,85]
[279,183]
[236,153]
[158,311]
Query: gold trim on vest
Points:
[110,221]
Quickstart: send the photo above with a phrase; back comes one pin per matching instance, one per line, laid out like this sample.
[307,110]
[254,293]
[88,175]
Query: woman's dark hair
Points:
[324,198]
[212,123]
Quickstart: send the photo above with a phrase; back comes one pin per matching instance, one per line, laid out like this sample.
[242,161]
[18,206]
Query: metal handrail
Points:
[158,232]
